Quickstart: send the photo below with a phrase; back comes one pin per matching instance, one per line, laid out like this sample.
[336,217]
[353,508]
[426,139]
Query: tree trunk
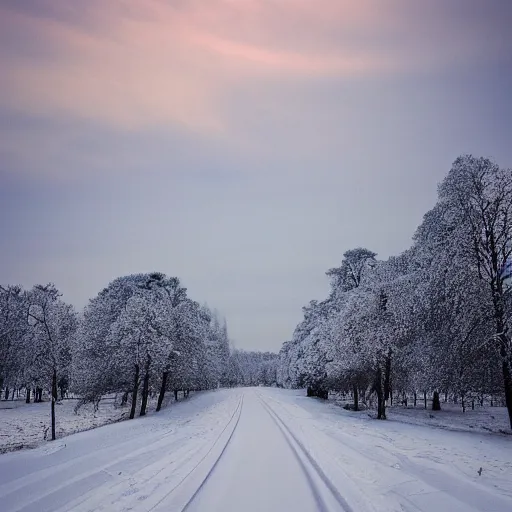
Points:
[12,394]
[415,398]
[162,391]
[504,342]
[381,403]
[445,396]
[463,403]
[507,380]
[473,405]
[27,398]
[387,377]
[145,389]
[135,391]
[356,397]
[54,400]
[175,395]
[436,403]
[6,396]
[425,398]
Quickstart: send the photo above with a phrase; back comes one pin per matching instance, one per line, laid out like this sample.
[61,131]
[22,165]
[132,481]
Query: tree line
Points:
[252,368]
[140,336]
[434,319]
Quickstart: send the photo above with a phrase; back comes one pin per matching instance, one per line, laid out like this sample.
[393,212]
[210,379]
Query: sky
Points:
[241,145]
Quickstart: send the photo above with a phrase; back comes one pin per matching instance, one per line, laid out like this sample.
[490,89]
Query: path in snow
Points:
[263,469]
[133,465]
[260,450]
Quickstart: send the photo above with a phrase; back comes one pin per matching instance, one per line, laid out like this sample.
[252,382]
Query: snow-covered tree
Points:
[143,331]
[98,368]
[435,317]
[13,327]
[353,271]
[471,225]
[53,324]
[247,368]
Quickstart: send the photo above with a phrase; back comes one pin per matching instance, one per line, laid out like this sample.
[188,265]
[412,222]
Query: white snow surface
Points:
[450,417]
[25,425]
[260,449]
[28,425]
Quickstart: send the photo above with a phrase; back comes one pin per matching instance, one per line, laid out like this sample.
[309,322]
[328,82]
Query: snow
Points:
[401,466]
[450,417]
[255,449]
[24,425]
[259,471]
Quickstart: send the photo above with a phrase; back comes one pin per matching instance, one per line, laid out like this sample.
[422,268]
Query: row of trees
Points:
[435,318]
[252,368]
[142,334]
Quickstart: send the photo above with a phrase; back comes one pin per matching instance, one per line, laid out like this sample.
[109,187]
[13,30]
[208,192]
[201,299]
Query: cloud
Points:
[138,63]
[241,145]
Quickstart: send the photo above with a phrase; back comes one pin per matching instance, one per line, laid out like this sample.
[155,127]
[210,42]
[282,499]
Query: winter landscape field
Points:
[394,393]
[255,256]
[28,426]
[256,449]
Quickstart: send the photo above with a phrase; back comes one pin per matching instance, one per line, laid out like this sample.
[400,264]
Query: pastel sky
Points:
[242,145]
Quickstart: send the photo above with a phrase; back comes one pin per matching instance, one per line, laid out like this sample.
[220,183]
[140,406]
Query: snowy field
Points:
[29,425]
[261,449]
[450,417]
[26,425]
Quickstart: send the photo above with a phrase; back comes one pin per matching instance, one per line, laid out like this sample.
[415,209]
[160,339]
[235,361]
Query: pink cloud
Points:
[145,62]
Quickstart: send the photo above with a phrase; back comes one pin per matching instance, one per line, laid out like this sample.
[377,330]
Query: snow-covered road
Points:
[260,450]
[264,468]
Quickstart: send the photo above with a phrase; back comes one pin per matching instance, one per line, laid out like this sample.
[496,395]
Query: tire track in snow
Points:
[155,499]
[113,488]
[43,481]
[357,485]
[78,470]
[117,452]
[237,413]
[298,450]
